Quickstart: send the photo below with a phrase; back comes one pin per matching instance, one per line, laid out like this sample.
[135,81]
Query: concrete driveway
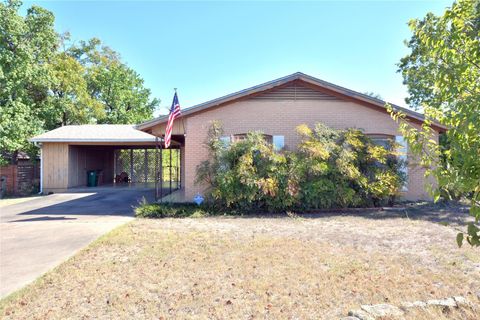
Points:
[37,235]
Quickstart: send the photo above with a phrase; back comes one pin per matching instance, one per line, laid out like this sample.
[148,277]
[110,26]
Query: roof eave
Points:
[90,140]
[281,81]
[368,99]
[223,99]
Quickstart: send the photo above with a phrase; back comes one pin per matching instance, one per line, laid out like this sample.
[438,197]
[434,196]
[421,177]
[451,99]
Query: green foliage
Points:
[69,101]
[331,168]
[116,87]
[26,46]
[344,168]
[46,83]
[442,74]
[172,210]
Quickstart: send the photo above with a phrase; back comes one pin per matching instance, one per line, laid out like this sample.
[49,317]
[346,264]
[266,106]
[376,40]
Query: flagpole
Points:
[170,170]
[156,168]
[170,167]
[183,123]
[161,170]
[174,113]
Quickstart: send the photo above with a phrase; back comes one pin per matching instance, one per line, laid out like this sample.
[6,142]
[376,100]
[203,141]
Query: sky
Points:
[210,49]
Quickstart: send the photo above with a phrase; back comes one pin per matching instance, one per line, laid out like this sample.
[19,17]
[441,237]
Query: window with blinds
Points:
[277,141]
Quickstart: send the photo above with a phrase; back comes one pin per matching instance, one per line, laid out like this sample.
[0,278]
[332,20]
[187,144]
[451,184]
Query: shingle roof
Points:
[95,133]
[380,104]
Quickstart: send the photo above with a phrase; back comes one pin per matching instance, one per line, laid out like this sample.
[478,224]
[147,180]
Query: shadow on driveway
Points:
[45,218]
[99,203]
[83,202]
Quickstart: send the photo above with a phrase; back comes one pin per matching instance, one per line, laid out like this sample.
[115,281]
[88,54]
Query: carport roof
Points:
[95,133]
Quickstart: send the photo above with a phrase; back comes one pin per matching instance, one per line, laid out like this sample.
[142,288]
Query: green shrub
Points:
[330,169]
[345,168]
[169,210]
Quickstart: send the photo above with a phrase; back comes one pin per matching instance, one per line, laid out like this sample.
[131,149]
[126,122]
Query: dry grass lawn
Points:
[14,200]
[254,268]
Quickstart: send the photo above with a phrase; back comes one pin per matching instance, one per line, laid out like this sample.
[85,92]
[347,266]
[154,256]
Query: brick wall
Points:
[281,117]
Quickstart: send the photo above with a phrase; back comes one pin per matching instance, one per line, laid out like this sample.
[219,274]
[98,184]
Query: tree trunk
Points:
[13,159]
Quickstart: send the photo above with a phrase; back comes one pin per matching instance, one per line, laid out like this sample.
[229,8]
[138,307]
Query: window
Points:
[385,141]
[242,136]
[278,143]
[239,137]
[225,140]
[403,150]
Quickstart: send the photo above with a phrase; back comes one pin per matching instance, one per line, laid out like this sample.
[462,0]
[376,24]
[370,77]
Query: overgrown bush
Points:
[330,169]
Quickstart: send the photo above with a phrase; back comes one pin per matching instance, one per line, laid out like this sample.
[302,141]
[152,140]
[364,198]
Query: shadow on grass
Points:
[445,213]
[448,213]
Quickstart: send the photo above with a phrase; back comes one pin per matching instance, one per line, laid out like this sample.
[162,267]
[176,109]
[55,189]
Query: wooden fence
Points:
[20,179]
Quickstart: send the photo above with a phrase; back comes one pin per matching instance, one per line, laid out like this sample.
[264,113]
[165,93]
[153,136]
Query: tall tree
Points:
[43,86]
[26,48]
[442,73]
[112,83]
[69,101]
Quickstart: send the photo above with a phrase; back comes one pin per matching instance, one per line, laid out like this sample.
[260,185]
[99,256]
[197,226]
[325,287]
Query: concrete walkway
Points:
[37,235]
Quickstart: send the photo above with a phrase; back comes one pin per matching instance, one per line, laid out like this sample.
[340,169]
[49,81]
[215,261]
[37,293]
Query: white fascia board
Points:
[92,140]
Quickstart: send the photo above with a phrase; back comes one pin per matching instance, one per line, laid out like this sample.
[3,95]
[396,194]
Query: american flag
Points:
[174,114]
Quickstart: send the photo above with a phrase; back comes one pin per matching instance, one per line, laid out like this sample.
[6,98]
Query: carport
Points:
[119,155]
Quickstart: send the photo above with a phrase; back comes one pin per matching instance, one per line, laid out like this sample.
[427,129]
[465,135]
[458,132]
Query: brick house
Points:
[276,108]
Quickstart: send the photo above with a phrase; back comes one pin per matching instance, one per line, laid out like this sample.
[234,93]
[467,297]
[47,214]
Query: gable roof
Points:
[95,133]
[331,88]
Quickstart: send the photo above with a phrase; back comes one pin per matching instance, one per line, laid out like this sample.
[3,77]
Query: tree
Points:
[69,101]
[43,86]
[442,73]
[112,83]
[26,47]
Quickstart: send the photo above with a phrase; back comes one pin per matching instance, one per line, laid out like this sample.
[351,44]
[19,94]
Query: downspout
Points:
[41,166]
